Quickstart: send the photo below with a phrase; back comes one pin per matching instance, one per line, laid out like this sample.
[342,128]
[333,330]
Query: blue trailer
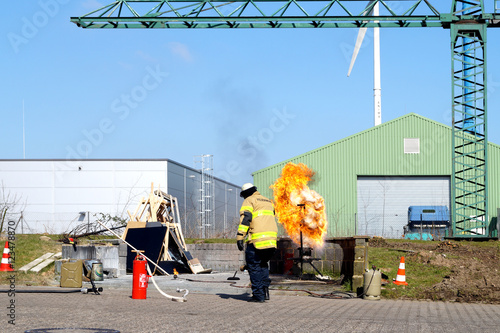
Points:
[427,222]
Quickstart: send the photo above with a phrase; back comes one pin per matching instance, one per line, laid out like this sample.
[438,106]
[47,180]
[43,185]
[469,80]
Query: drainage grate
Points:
[72,330]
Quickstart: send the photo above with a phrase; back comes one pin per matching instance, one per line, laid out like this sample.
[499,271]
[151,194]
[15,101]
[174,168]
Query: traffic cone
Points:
[401,277]
[5,266]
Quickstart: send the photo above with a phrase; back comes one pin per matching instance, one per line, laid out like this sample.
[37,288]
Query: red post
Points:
[140,278]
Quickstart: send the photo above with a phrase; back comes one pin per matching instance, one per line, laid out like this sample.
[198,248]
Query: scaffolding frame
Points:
[205,164]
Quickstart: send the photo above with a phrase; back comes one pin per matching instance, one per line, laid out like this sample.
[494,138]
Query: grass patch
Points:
[419,276]
[28,247]
[483,245]
[210,241]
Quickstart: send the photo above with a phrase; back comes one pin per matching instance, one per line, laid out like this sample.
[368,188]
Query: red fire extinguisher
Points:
[140,278]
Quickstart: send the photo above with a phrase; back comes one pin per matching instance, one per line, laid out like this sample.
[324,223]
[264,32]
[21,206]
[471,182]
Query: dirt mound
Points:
[378,242]
[475,269]
[474,273]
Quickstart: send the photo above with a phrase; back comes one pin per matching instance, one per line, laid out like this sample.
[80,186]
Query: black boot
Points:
[255,300]
[266,293]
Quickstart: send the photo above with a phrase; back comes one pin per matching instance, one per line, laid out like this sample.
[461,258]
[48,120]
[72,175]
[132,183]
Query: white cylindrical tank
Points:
[371,285]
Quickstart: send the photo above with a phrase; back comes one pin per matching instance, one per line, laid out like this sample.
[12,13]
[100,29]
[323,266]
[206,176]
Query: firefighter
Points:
[258,228]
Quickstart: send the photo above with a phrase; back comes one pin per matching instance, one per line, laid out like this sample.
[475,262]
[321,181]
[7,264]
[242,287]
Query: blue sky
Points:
[251,98]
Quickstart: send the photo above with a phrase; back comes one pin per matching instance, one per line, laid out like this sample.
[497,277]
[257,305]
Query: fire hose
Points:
[173,298]
[331,295]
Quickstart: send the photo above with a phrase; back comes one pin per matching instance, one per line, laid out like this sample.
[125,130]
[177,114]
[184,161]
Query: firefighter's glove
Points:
[240,245]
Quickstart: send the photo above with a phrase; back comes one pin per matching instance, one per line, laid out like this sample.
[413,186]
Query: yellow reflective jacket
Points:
[257,222]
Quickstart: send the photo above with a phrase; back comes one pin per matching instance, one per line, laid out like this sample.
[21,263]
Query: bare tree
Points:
[10,205]
[366,201]
[385,189]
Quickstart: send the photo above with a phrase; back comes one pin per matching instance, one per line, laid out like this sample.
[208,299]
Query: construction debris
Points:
[155,228]
[448,245]
[40,263]
[91,229]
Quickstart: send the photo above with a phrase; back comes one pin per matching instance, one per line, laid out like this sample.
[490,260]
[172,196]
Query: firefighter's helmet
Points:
[246,186]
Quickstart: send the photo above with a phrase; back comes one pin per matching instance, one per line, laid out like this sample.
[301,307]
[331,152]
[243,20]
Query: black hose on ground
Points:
[331,295]
[48,291]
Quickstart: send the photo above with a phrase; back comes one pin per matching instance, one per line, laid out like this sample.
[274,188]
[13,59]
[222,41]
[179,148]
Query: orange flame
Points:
[290,191]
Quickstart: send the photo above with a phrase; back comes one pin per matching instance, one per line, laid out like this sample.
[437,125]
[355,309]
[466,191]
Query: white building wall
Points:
[55,192]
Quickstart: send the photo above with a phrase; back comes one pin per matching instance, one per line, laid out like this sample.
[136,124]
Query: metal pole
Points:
[301,254]
[225,207]
[377,89]
[185,199]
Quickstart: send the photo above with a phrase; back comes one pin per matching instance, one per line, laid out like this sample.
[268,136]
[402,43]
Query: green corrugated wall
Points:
[378,151]
[493,183]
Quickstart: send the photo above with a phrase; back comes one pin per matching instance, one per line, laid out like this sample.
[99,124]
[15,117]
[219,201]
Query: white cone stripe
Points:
[402,265]
[5,260]
[6,250]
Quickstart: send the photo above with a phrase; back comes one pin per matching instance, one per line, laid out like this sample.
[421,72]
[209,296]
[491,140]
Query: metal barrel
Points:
[97,274]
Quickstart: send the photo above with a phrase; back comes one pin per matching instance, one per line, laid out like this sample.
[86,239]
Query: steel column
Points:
[469,132]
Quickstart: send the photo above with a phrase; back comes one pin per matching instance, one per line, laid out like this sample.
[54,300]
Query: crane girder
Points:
[262,14]
[467,21]
[161,14]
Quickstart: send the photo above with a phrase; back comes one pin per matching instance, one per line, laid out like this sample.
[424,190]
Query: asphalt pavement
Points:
[214,304]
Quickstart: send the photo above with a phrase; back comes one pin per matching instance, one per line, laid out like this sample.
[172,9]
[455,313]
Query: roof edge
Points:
[374,128]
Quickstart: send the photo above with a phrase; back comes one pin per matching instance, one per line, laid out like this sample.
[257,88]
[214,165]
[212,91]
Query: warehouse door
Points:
[383,201]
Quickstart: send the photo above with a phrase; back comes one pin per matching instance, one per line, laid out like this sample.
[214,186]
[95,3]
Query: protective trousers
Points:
[258,269]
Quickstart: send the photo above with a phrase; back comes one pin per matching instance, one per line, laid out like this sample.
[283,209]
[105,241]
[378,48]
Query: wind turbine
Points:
[377,90]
